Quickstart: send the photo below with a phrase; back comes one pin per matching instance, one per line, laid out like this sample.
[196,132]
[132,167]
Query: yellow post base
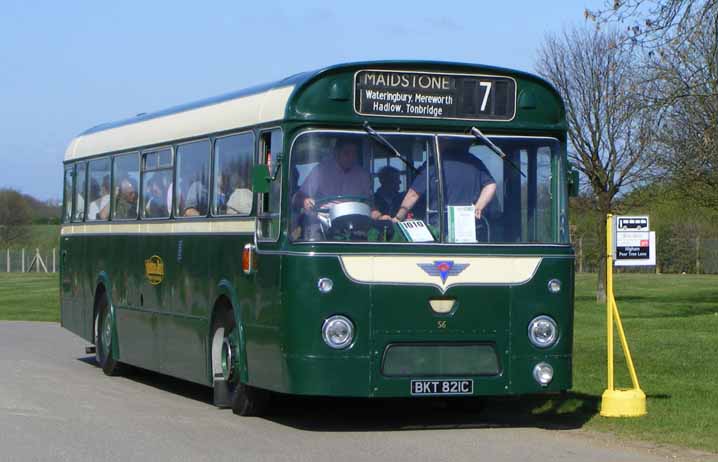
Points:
[623,403]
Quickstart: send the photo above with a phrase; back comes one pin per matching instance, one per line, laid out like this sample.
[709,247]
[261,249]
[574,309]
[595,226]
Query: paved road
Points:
[55,404]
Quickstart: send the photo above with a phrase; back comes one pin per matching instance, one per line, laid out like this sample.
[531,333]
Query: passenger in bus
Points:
[240,200]
[126,202]
[467,181]
[156,203]
[99,209]
[195,201]
[387,198]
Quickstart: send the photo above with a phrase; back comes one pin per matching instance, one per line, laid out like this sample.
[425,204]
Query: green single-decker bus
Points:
[373,229]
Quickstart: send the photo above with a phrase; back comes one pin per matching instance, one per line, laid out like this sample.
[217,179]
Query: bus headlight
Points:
[543,373]
[338,332]
[543,331]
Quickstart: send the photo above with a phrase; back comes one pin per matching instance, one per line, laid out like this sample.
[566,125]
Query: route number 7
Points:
[486,94]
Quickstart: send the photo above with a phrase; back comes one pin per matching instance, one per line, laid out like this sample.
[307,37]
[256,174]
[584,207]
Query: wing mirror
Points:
[260,179]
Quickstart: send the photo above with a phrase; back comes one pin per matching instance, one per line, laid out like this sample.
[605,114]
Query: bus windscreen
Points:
[346,186]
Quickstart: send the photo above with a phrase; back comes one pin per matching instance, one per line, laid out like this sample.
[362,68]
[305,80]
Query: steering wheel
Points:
[344,216]
[319,204]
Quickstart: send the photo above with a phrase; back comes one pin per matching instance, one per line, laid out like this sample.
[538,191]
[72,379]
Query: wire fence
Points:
[29,260]
[692,255]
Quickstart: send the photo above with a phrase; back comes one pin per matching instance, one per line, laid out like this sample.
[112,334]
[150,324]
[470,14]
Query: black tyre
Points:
[103,338]
[228,389]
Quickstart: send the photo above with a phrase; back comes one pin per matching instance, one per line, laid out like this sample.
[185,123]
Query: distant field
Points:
[29,296]
[44,237]
[672,326]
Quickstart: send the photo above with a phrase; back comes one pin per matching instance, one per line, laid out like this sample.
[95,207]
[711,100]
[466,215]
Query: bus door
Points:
[263,321]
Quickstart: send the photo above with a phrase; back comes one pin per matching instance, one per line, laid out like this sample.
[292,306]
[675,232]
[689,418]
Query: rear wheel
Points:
[229,391]
[103,338]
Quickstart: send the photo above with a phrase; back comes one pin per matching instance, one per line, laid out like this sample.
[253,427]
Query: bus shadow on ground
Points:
[556,412]
[561,412]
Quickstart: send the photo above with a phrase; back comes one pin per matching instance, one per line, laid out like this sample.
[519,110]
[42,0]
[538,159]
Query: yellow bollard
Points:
[618,403]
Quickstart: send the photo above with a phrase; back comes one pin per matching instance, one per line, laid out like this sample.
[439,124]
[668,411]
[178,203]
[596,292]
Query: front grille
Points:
[440,359]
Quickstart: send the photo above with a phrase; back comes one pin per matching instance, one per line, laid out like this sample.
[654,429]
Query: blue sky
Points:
[69,65]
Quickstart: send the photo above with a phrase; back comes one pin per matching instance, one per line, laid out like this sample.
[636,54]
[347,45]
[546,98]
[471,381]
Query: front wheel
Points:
[229,391]
[103,338]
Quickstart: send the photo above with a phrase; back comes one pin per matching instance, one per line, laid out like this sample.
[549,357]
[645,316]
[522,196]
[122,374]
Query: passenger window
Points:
[157,184]
[98,207]
[67,195]
[125,175]
[80,183]
[233,156]
[192,190]
[270,153]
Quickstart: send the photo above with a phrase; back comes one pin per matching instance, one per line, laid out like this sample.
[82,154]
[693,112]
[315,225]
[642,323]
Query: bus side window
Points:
[98,206]
[80,183]
[233,158]
[125,177]
[157,183]
[192,188]
[270,150]
[67,194]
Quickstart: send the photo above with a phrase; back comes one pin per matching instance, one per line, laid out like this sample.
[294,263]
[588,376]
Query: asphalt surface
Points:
[55,404]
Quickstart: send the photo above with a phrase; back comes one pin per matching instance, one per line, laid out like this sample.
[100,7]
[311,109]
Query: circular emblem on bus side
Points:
[154,270]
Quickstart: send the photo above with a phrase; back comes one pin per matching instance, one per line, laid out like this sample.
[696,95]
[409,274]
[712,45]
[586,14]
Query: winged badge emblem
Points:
[443,269]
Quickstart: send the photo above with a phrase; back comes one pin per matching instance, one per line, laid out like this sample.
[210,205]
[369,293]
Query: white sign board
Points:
[633,243]
[650,261]
[462,223]
[416,231]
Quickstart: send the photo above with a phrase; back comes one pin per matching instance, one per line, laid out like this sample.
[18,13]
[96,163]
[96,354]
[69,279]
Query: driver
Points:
[338,175]
[467,181]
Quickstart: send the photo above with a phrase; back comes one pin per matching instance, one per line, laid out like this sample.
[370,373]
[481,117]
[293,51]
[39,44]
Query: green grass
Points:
[672,326]
[29,297]
[671,322]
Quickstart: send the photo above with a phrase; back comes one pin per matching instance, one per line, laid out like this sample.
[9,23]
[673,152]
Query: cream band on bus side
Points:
[441,272]
[163,227]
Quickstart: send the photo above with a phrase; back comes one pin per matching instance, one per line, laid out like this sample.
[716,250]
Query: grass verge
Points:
[29,297]
[671,322]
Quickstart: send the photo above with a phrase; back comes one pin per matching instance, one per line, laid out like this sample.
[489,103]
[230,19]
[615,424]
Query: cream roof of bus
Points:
[240,109]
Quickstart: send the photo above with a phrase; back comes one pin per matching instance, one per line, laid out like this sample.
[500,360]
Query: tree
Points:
[15,215]
[652,24]
[610,129]
[680,41]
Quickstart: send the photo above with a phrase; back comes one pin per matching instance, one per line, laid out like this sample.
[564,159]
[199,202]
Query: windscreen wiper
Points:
[497,150]
[383,141]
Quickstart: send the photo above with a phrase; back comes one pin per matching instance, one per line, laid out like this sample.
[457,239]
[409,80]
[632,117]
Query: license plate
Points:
[442,387]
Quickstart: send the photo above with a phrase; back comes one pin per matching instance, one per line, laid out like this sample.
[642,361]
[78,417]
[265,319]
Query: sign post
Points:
[615,402]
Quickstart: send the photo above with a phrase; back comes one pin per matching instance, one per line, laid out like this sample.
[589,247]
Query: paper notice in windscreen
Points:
[416,231]
[462,224]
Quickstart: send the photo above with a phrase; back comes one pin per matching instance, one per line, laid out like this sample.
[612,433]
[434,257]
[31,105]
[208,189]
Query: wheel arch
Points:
[226,299]
[103,286]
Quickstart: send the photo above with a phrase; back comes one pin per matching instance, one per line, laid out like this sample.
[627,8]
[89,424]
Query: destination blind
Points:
[433,95]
